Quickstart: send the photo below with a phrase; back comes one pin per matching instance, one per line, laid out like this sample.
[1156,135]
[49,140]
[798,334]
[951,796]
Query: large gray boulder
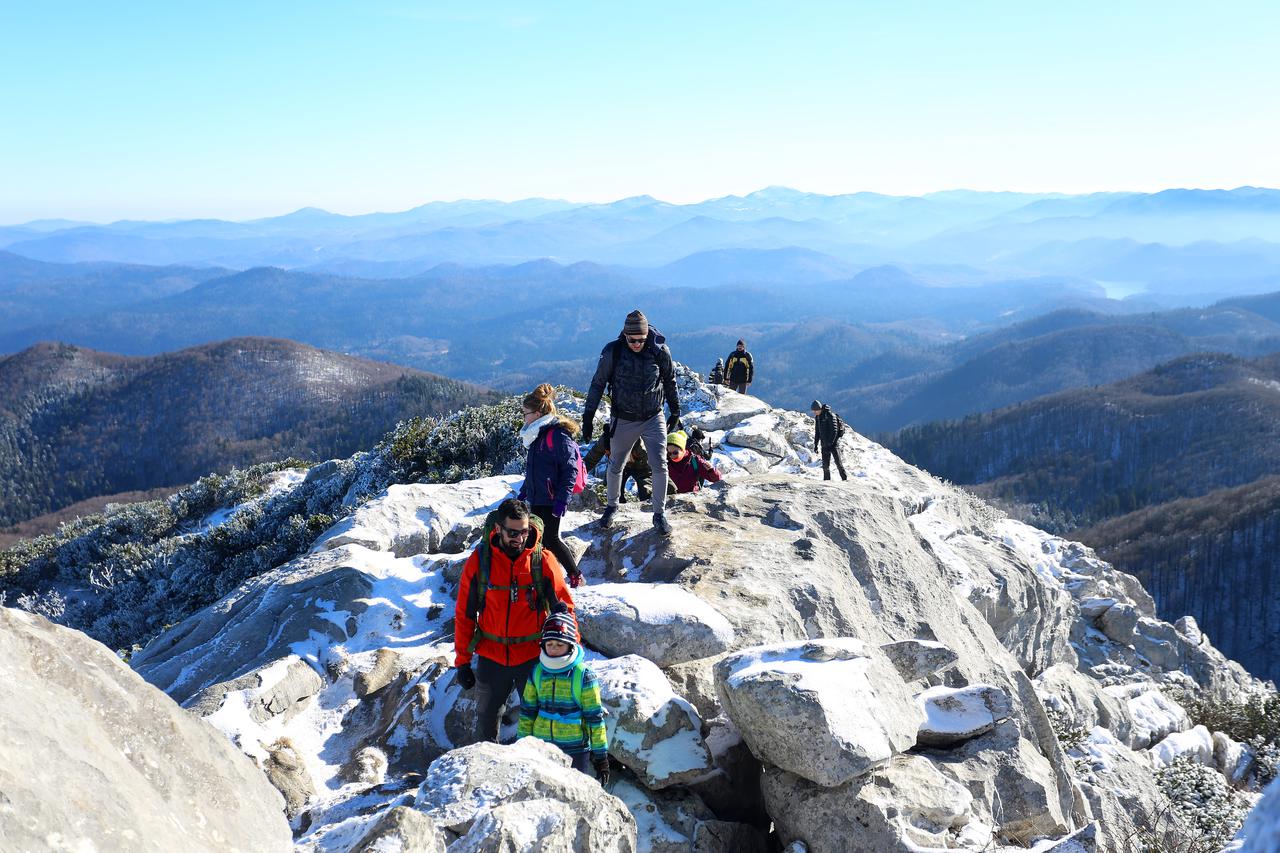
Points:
[905,805]
[662,622]
[826,710]
[528,790]
[94,758]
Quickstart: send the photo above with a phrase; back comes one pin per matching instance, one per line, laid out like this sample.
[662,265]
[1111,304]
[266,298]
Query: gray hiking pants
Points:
[653,433]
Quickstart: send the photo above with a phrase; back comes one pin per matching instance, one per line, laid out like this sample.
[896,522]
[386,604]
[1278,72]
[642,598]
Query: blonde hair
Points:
[542,400]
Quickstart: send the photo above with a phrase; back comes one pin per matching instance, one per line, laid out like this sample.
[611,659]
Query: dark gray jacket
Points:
[826,428]
[637,382]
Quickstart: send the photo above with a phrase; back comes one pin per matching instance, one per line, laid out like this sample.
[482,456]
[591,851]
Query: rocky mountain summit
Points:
[882,664]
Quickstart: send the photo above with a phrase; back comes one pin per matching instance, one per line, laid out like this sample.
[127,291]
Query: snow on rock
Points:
[654,732]
[729,410]
[94,758]
[761,434]
[1234,760]
[662,622]
[956,714]
[418,518]
[402,830]
[826,710]
[1195,743]
[665,820]
[529,786]
[1154,714]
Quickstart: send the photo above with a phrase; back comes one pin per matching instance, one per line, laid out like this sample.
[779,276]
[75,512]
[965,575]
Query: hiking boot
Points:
[606,518]
[663,526]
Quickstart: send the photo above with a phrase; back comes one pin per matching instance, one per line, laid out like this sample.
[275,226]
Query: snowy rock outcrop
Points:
[865,665]
[492,797]
[94,758]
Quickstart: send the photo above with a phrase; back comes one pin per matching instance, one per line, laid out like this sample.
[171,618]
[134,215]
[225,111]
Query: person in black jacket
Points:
[738,369]
[637,467]
[638,370]
[827,430]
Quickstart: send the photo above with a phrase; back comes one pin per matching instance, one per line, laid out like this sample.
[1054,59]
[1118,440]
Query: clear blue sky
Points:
[239,109]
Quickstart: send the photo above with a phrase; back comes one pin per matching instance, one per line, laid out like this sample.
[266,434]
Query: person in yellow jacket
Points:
[560,702]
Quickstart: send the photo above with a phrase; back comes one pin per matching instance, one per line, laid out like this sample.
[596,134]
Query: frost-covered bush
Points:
[476,442]
[1201,800]
[1071,738]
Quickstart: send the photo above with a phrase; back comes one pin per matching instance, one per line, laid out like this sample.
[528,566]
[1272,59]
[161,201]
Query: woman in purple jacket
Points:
[550,470]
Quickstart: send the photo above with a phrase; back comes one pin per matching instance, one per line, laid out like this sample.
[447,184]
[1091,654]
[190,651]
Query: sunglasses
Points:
[512,532]
[632,340]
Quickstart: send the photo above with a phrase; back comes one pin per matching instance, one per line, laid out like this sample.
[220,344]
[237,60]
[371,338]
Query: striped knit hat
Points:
[636,324]
[560,626]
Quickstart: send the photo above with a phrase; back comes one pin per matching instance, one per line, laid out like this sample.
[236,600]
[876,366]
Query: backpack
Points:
[839,426]
[580,467]
[697,442]
[540,592]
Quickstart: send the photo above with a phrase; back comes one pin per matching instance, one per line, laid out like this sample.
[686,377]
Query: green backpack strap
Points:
[539,594]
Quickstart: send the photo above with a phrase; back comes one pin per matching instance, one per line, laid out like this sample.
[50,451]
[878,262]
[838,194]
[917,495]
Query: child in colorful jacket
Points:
[560,702]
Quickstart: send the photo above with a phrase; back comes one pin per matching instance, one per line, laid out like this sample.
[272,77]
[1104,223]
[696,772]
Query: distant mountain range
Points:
[75,423]
[1176,244]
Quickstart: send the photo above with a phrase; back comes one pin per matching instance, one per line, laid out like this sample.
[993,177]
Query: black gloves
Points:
[587,428]
[575,579]
[673,423]
[602,770]
[465,677]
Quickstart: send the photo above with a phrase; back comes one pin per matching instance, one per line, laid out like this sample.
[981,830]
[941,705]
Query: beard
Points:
[511,550]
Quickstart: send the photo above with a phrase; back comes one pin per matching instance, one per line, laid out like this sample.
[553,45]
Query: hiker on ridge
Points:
[688,470]
[739,369]
[639,372]
[828,429]
[560,703]
[509,585]
[550,469]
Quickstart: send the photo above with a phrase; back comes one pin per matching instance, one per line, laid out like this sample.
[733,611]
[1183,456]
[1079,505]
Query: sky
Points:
[161,110]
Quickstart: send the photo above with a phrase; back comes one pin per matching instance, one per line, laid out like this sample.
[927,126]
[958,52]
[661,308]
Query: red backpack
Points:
[580,478]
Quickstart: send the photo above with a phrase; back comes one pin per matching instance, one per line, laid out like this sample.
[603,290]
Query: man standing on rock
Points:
[739,370]
[828,429]
[639,372]
[508,587]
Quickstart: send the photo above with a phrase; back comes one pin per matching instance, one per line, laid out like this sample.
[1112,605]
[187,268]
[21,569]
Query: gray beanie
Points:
[815,406]
[637,323]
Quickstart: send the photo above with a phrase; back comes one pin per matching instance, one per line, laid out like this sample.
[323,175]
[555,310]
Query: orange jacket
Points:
[501,616]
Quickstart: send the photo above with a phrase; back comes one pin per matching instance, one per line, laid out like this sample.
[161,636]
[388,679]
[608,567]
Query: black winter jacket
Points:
[738,367]
[637,382]
[826,427]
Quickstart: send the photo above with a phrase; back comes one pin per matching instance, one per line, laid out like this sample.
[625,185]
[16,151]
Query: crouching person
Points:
[687,470]
[561,700]
[509,584]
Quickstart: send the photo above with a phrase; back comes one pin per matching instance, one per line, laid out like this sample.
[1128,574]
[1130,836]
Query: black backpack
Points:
[839,426]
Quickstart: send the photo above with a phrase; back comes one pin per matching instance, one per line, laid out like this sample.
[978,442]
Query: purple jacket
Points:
[549,472]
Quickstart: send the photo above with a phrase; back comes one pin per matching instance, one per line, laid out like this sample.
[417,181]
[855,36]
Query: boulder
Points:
[417,518]
[652,731]
[1233,760]
[761,434]
[367,767]
[722,836]
[1195,743]
[826,710]
[286,769]
[662,622]
[94,758]
[956,714]
[1083,700]
[281,689]
[731,410]
[387,664]
[665,820]
[528,787]
[904,805]
[1154,715]
[404,830]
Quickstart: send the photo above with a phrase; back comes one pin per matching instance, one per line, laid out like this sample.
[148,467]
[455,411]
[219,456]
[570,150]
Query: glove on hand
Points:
[673,423]
[575,579]
[587,428]
[465,677]
[559,508]
[602,770]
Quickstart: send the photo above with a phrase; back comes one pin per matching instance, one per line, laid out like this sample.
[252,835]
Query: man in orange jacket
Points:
[501,626]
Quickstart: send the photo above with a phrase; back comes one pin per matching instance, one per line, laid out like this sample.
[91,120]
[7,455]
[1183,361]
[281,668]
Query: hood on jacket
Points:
[529,541]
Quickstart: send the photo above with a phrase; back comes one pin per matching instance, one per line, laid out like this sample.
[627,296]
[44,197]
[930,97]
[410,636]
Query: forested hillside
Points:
[1068,460]
[75,423]
[1215,557]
